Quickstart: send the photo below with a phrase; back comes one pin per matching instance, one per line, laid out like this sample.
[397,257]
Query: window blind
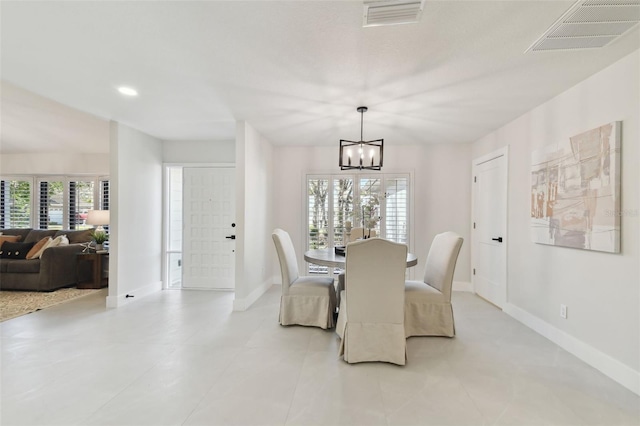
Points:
[15,200]
[80,202]
[397,204]
[59,202]
[342,207]
[51,204]
[318,214]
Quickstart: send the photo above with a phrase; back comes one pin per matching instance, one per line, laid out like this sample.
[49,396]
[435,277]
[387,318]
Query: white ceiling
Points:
[295,70]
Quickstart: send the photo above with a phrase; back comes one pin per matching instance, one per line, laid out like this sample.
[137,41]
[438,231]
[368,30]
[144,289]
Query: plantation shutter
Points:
[73,207]
[15,201]
[318,213]
[43,218]
[104,200]
[104,196]
[81,196]
[342,207]
[50,204]
[3,186]
[397,209]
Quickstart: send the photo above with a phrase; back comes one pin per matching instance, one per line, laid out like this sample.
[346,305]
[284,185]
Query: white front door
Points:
[490,227]
[208,219]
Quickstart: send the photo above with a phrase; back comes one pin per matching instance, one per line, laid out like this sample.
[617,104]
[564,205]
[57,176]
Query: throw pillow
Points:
[9,238]
[53,243]
[38,248]
[15,250]
[48,244]
[60,240]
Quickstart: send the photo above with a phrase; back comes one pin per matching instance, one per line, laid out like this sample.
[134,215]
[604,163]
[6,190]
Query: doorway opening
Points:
[173,232]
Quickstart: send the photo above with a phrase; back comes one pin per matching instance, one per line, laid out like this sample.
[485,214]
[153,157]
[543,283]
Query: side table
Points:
[99,266]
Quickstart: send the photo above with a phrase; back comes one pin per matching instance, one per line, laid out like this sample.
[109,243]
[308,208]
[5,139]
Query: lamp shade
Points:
[97,217]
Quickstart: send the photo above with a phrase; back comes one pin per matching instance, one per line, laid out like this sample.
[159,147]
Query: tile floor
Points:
[184,358]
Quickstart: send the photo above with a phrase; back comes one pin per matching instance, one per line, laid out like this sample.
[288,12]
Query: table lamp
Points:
[98,217]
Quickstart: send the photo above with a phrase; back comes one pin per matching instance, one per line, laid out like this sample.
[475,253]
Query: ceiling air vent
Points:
[590,24]
[378,13]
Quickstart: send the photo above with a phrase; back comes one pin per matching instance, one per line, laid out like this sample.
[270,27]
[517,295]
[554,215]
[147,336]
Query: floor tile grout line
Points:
[293,394]
[204,394]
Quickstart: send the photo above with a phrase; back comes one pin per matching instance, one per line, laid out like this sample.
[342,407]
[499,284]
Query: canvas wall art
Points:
[575,191]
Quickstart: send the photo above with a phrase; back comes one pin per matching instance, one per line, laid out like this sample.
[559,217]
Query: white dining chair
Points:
[427,304]
[305,300]
[371,316]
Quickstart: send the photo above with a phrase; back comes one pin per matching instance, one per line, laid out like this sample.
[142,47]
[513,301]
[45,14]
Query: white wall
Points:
[135,246]
[254,207]
[34,124]
[601,290]
[199,151]
[54,163]
[441,186]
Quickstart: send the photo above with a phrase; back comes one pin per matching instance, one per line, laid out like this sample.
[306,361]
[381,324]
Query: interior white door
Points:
[490,228]
[208,223]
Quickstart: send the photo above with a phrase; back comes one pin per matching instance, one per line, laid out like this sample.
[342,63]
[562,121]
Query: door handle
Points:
[231,237]
[499,239]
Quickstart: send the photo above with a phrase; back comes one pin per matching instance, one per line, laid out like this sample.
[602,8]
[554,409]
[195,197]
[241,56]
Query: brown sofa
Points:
[56,268]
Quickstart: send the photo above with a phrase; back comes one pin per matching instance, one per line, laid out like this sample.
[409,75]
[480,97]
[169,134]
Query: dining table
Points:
[328,257]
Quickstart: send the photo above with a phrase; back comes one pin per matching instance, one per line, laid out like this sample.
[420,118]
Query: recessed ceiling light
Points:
[127,91]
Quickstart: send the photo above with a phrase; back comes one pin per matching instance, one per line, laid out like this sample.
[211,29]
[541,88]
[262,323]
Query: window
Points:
[318,213]
[52,202]
[342,206]
[397,209]
[367,211]
[15,203]
[377,202]
[103,203]
[81,200]
[51,206]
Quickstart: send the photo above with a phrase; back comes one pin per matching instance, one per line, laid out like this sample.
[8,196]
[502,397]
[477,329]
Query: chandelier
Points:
[361,155]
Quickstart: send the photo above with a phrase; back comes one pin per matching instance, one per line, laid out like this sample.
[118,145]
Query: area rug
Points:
[16,303]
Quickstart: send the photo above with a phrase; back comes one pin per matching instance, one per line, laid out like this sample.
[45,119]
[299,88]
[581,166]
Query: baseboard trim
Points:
[242,304]
[138,293]
[462,286]
[609,366]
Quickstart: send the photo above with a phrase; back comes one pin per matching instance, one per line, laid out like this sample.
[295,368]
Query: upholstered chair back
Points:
[441,262]
[375,281]
[287,257]
[372,311]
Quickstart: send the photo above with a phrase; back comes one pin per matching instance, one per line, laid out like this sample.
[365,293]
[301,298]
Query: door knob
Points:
[231,237]
[499,239]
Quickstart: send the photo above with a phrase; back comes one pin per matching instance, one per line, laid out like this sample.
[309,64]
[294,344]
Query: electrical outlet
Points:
[563,311]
